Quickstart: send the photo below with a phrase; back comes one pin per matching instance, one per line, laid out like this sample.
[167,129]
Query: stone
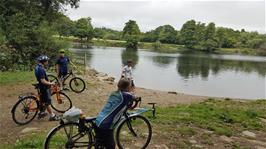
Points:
[263,120]
[193,141]
[29,129]
[249,134]
[226,139]
[172,92]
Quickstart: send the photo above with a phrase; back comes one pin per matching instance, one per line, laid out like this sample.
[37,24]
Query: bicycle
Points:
[77,131]
[76,84]
[27,107]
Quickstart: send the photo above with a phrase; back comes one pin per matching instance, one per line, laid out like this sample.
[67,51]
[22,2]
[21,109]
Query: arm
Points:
[57,69]
[46,82]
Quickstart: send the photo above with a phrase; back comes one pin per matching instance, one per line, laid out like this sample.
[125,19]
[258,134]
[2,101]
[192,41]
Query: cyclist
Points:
[44,86]
[128,74]
[111,113]
[62,66]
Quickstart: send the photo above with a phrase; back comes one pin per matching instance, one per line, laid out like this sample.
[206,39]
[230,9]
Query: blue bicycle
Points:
[76,131]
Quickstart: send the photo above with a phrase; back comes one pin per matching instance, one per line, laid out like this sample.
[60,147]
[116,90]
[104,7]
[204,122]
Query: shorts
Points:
[104,138]
[45,96]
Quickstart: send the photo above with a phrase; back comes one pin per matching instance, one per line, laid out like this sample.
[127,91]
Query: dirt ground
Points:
[91,102]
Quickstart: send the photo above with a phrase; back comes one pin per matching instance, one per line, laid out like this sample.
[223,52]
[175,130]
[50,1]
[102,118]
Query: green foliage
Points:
[64,26]
[106,33]
[131,34]
[84,29]
[164,34]
[188,34]
[26,29]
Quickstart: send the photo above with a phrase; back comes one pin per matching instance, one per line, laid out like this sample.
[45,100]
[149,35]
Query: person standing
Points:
[44,87]
[127,73]
[62,66]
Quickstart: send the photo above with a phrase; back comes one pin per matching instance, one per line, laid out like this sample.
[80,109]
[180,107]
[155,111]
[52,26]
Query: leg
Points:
[104,138]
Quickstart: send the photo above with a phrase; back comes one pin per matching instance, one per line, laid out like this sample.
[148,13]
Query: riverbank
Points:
[165,48]
[182,121]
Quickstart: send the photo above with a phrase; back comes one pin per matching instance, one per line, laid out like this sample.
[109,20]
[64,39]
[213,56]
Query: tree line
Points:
[193,35]
[28,29]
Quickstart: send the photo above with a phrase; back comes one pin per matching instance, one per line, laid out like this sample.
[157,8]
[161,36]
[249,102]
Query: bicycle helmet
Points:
[43,58]
[62,51]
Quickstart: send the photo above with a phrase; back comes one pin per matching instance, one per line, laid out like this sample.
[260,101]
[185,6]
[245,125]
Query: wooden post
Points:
[85,62]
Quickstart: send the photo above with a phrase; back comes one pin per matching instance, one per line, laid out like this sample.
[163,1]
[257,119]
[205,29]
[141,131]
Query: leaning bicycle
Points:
[76,84]
[27,107]
[77,131]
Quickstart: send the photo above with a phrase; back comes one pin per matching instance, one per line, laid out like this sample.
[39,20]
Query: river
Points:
[233,76]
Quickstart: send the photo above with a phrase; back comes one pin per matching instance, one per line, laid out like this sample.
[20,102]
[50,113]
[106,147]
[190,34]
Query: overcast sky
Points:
[249,15]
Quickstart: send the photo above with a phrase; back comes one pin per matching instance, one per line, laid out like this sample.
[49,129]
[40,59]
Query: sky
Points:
[235,14]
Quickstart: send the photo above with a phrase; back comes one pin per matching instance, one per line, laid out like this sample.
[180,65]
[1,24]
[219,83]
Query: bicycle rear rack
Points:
[153,109]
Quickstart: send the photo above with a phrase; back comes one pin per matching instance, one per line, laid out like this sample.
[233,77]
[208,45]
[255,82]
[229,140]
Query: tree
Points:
[84,29]
[188,34]
[64,26]
[131,34]
[210,42]
[27,30]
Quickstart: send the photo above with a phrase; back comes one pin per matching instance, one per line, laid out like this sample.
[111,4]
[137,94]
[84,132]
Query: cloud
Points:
[249,15]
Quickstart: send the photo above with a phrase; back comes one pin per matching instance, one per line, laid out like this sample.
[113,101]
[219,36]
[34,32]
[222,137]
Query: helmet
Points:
[43,58]
[62,51]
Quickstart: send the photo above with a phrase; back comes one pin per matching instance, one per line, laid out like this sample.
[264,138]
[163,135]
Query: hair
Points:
[129,61]
[123,84]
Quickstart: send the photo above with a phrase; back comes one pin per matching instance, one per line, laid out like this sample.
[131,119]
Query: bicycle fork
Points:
[130,128]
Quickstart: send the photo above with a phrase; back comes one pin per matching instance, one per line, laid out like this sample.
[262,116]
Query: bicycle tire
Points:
[55,105]
[48,140]
[122,134]
[73,83]
[25,109]
[52,78]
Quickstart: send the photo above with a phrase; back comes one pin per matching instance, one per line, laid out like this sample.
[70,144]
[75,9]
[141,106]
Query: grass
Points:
[34,141]
[222,117]
[10,78]
[227,117]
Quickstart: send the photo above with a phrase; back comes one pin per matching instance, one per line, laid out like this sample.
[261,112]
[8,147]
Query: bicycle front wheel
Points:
[25,110]
[60,102]
[133,133]
[67,136]
[77,85]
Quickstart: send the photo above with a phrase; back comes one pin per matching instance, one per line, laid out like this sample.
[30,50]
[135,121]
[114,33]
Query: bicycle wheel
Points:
[52,78]
[25,110]
[60,102]
[67,136]
[133,133]
[77,85]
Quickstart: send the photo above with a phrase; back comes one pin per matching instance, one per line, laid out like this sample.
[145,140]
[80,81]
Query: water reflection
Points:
[190,65]
[130,54]
[163,61]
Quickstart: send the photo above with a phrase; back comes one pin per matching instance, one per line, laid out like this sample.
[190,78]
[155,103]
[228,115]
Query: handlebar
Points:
[132,105]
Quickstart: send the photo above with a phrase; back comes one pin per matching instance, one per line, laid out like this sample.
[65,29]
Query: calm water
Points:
[198,74]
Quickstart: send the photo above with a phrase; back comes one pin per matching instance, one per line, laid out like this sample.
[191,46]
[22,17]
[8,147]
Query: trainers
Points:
[41,115]
[54,118]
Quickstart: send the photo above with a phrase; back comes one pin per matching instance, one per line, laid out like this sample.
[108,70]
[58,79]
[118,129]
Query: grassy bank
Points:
[166,48]
[11,78]
[204,121]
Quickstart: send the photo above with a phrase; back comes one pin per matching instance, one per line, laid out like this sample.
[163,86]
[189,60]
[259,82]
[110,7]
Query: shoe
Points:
[41,115]
[54,118]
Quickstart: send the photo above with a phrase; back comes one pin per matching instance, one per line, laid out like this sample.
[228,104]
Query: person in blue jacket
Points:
[62,66]
[111,113]
[44,87]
